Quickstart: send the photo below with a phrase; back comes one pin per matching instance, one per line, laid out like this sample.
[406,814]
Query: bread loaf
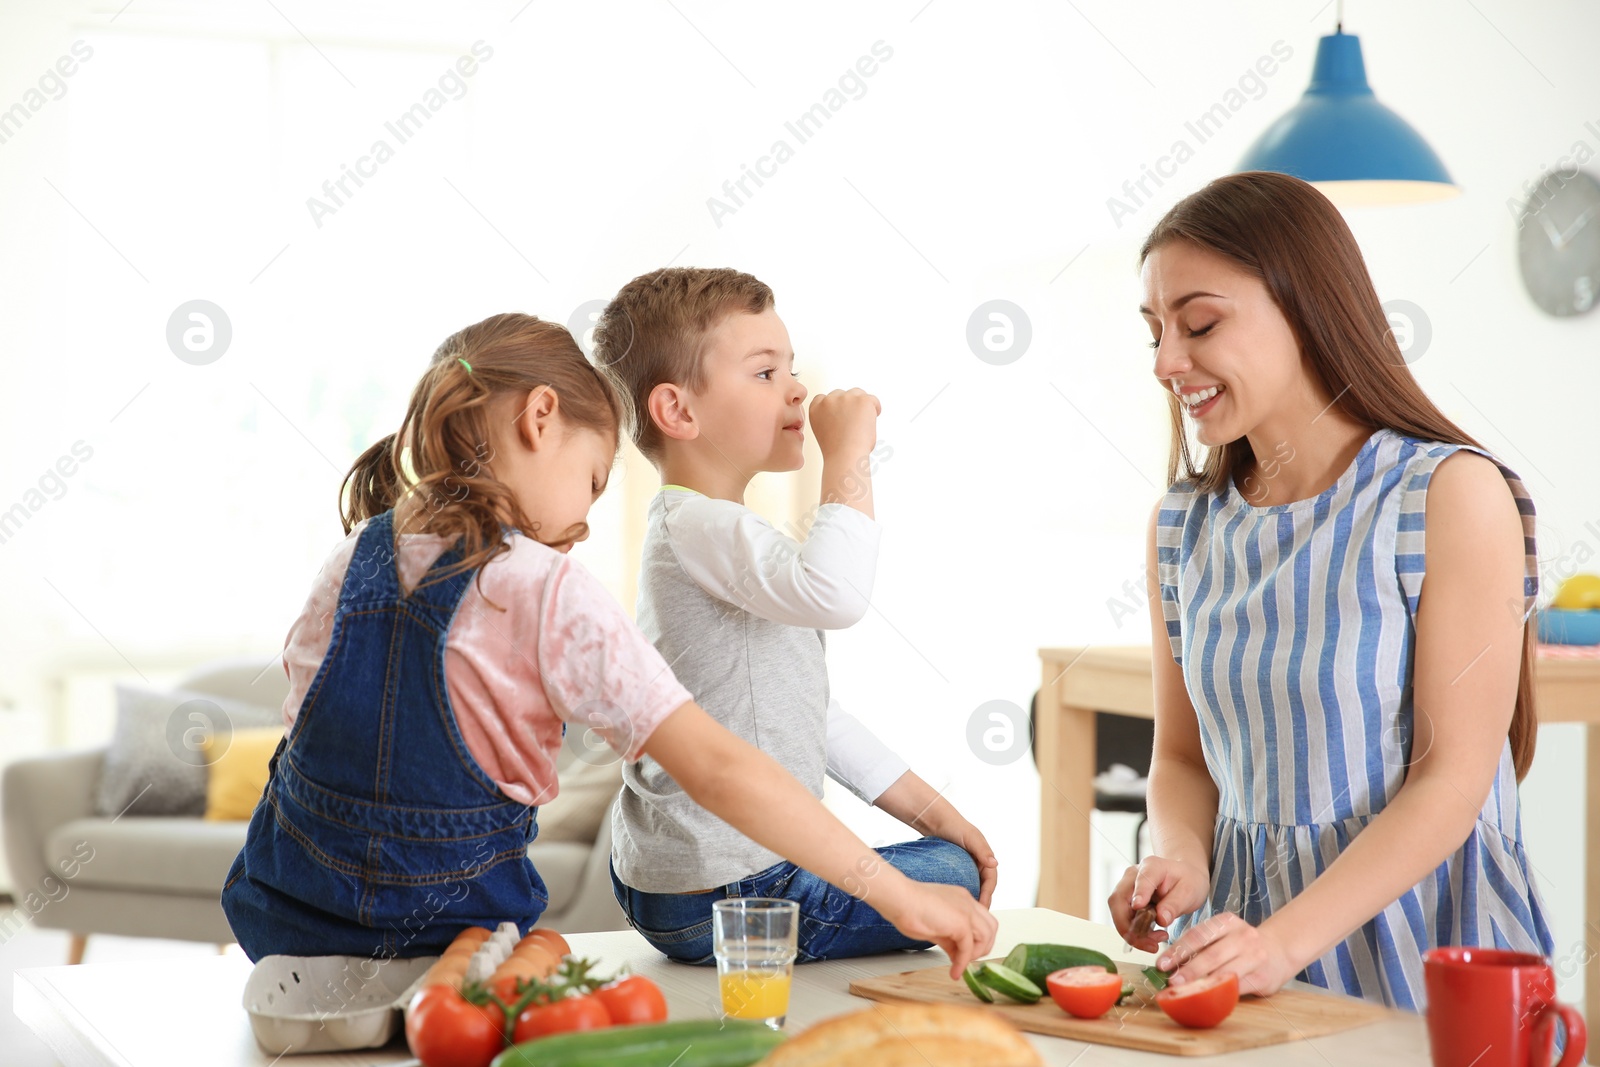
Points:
[908,1035]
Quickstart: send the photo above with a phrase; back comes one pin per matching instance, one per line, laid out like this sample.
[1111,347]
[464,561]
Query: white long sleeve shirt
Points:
[739,610]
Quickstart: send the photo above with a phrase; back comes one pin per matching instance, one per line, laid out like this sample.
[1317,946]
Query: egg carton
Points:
[300,1004]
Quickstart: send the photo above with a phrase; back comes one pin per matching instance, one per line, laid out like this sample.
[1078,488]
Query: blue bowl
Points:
[1559,626]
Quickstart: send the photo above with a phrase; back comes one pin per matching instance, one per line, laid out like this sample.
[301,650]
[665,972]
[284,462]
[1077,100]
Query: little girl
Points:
[447,643]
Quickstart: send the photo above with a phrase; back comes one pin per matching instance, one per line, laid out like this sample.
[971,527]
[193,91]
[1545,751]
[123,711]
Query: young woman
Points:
[1338,745]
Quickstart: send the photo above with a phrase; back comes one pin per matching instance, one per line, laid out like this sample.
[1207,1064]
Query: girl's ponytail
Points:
[374,484]
[446,436]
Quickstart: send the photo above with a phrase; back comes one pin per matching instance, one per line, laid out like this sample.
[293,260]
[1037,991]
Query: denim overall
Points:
[378,834]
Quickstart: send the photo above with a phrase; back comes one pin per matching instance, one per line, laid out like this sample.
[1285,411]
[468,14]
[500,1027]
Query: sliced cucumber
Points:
[979,990]
[1005,981]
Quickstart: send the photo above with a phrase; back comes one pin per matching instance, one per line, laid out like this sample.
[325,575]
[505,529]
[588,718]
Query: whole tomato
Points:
[444,1029]
[634,999]
[583,1012]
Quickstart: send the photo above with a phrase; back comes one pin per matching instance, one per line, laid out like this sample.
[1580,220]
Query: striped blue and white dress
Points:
[1295,626]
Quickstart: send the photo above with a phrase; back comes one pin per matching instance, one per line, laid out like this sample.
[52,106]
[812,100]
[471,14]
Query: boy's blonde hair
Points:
[654,330]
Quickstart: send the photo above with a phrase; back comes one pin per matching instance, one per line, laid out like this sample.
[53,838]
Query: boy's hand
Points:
[845,423]
[971,838]
[918,805]
[949,917]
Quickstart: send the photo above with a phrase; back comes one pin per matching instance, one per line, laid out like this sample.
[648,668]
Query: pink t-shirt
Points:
[561,651]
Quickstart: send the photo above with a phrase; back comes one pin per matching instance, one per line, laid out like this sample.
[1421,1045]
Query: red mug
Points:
[1492,1008]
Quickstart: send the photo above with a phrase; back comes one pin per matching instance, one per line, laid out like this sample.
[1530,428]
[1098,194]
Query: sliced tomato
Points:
[445,1030]
[584,1012]
[1202,1003]
[1087,992]
[634,999]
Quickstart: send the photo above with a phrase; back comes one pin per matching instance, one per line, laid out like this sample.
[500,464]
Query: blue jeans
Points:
[833,924]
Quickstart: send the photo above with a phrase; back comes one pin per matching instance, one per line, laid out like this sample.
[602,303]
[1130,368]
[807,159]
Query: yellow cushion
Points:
[238,763]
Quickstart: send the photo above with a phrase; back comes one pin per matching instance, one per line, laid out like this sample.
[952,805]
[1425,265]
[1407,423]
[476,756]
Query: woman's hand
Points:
[1172,887]
[1226,944]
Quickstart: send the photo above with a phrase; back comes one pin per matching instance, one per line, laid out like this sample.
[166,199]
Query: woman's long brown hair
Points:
[1291,237]
[442,453]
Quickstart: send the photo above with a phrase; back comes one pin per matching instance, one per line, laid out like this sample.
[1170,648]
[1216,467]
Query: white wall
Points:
[977,165]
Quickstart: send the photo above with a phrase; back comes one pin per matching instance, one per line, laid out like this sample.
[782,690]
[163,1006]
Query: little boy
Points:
[739,610]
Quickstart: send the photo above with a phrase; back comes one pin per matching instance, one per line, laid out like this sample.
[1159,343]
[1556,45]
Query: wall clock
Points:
[1558,243]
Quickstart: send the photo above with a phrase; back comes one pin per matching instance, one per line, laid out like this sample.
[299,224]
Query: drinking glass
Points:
[753,939]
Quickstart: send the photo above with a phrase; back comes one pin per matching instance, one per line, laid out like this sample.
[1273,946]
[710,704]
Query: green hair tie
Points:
[465,364]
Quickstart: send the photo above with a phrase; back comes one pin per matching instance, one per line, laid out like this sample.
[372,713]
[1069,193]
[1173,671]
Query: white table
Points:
[174,1013]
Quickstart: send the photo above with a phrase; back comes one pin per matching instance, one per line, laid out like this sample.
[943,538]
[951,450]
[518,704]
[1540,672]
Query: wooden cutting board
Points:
[1289,1015]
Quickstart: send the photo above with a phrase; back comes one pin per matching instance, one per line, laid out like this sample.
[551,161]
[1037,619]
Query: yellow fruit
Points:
[1577,593]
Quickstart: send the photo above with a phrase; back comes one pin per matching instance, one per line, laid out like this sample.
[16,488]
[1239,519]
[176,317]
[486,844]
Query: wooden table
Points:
[175,1013]
[1077,682]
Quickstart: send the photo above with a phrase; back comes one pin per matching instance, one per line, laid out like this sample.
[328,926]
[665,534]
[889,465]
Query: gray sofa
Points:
[154,876]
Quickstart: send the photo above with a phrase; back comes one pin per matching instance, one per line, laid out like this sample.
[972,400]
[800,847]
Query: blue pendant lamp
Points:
[1339,138]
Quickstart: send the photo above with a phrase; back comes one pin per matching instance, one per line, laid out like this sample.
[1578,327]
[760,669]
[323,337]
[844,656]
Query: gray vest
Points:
[765,681]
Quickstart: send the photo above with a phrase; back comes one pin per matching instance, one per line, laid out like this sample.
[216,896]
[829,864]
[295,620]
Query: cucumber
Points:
[1004,980]
[979,990]
[1037,962]
[689,1043]
[1156,976]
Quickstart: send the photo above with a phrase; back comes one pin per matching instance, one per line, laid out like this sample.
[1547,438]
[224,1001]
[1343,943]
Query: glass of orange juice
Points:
[753,939]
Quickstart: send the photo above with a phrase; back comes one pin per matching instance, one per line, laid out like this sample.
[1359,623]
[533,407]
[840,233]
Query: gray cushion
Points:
[155,764]
[587,782]
[185,855]
[561,866]
[174,855]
